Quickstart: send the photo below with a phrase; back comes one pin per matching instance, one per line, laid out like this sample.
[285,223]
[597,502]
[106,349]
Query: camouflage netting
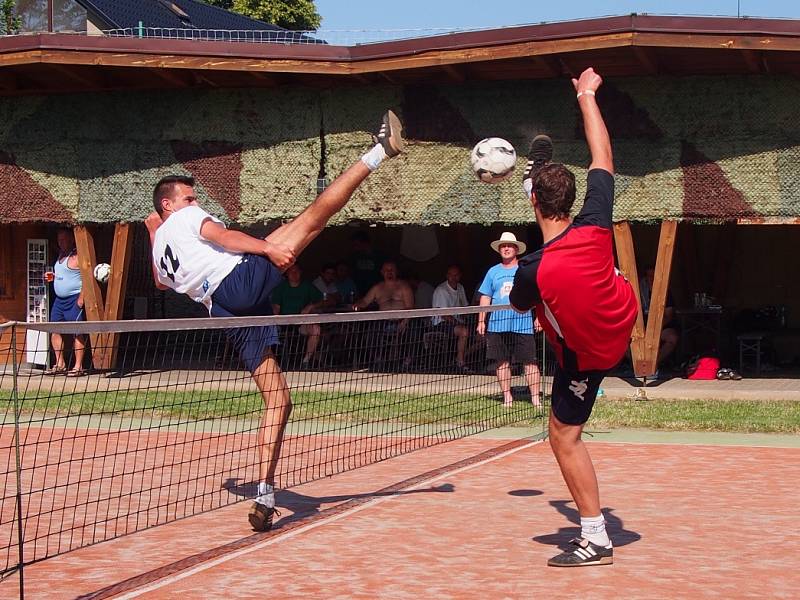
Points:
[693,148]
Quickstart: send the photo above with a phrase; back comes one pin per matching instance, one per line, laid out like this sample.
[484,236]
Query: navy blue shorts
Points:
[574,394]
[66,309]
[245,292]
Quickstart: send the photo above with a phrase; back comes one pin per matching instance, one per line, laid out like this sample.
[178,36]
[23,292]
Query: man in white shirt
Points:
[450,294]
[233,274]
[326,284]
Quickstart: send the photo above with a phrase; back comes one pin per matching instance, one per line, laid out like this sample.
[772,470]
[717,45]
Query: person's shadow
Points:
[614,526]
[303,506]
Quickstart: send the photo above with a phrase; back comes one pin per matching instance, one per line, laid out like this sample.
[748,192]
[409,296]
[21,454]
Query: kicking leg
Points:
[299,232]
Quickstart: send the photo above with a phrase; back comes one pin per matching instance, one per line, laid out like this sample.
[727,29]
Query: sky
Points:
[472,14]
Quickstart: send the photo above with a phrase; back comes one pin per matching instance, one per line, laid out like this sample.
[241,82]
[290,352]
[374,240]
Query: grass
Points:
[672,415]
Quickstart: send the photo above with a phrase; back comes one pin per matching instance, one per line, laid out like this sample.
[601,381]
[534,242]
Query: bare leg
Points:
[576,466]
[533,378]
[58,350]
[669,341]
[300,231]
[312,333]
[277,407]
[504,377]
[461,334]
[79,343]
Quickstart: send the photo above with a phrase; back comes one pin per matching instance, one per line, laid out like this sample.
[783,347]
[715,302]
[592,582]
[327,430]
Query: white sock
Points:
[594,530]
[266,495]
[374,157]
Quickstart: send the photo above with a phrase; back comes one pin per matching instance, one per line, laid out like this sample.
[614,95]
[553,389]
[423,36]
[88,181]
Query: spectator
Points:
[509,335]
[392,293]
[423,291]
[345,283]
[295,296]
[365,263]
[450,294]
[68,305]
[326,284]
[669,329]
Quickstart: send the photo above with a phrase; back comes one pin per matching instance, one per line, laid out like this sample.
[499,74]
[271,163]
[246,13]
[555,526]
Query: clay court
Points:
[476,517]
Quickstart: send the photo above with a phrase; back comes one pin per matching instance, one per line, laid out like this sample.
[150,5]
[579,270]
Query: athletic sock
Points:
[266,495]
[594,530]
[374,157]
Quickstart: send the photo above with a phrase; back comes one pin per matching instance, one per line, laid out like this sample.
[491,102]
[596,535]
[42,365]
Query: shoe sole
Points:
[606,560]
[395,139]
[541,137]
[257,521]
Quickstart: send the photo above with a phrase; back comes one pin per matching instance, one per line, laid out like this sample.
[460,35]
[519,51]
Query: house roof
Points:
[157,13]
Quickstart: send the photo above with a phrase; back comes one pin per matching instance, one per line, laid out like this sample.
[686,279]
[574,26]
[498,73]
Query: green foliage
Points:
[297,15]
[10,20]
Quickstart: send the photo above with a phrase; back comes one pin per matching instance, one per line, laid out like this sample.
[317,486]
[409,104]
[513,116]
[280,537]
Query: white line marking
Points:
[294,533]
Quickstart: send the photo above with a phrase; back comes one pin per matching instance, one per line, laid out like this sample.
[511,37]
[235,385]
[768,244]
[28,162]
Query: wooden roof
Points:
[616,46]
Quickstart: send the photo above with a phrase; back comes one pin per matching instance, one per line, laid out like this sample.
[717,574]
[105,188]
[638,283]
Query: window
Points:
[68,15]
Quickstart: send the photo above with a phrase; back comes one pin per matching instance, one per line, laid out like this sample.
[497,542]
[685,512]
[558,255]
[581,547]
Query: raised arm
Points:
[153,222]
[594,127]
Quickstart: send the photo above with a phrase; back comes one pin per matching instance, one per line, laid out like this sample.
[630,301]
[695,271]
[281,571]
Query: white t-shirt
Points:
[185,261]
[446,297]
[325,288]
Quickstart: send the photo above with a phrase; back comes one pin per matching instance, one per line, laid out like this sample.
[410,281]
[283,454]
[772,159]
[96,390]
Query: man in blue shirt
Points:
[509,334]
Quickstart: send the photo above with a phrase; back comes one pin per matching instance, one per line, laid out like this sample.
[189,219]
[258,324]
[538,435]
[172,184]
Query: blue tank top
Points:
[68,281]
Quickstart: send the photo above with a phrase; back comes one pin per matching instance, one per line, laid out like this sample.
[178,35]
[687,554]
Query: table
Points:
[700,322]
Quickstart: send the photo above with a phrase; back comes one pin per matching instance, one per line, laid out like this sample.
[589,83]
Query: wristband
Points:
[585,93]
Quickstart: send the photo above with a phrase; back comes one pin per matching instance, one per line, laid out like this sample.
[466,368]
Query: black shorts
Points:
[511,347]
[245,292]
[574,394]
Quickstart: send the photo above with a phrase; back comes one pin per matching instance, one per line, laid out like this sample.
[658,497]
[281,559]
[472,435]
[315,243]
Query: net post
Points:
[18,465]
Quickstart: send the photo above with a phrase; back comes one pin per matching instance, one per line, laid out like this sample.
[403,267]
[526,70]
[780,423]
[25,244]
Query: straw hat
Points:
[508,238]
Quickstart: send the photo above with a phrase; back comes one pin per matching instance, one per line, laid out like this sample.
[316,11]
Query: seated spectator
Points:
[450,294]
[390,294]
[423,291]
[295,296]
[669,329]
[326,284]
[345,284]
[365,262]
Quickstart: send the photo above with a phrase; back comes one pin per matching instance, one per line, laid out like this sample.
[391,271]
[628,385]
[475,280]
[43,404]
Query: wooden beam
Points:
[658,298]
[115,294]
[647,58]
[626,258]
[549,64]
[81,80]
[92,296]
[176,79]
[752,59]
[454,74]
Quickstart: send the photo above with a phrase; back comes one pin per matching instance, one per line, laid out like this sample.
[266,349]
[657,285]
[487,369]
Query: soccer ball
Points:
[493,159]
[102,271]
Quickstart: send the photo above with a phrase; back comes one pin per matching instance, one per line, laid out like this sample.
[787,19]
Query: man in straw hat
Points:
[586,308]
[509,335]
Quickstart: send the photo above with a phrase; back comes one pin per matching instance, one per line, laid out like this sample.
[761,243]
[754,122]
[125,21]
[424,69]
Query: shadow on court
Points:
[303,506]
[614,525]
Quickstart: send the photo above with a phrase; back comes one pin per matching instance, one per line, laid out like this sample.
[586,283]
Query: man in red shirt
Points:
[585,306]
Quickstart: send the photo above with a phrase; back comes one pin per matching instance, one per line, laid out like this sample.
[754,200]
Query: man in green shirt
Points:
[296,296]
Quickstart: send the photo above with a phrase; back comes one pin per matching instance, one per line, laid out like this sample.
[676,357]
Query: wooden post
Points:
[92,296]
[626,256]
[115,294]
[658,296]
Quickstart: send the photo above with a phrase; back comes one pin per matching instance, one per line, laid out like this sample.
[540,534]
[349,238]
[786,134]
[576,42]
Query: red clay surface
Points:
[688,521]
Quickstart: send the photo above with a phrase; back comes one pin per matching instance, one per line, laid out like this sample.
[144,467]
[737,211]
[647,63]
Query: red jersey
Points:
[585,306]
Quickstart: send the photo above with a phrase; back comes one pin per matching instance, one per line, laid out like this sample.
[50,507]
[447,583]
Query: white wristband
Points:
[585,93]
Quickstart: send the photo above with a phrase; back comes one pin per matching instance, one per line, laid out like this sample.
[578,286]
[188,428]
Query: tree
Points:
[298,15]
[10,20]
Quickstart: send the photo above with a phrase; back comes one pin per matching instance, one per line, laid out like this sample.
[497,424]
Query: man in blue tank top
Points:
[68,304]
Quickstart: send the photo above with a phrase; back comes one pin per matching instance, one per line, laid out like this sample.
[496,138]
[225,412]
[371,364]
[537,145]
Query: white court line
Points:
[370,503]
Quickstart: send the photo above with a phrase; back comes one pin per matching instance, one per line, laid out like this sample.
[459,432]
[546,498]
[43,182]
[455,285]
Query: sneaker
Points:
[260,516]
[539,155]
[390,135]
[586,554]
